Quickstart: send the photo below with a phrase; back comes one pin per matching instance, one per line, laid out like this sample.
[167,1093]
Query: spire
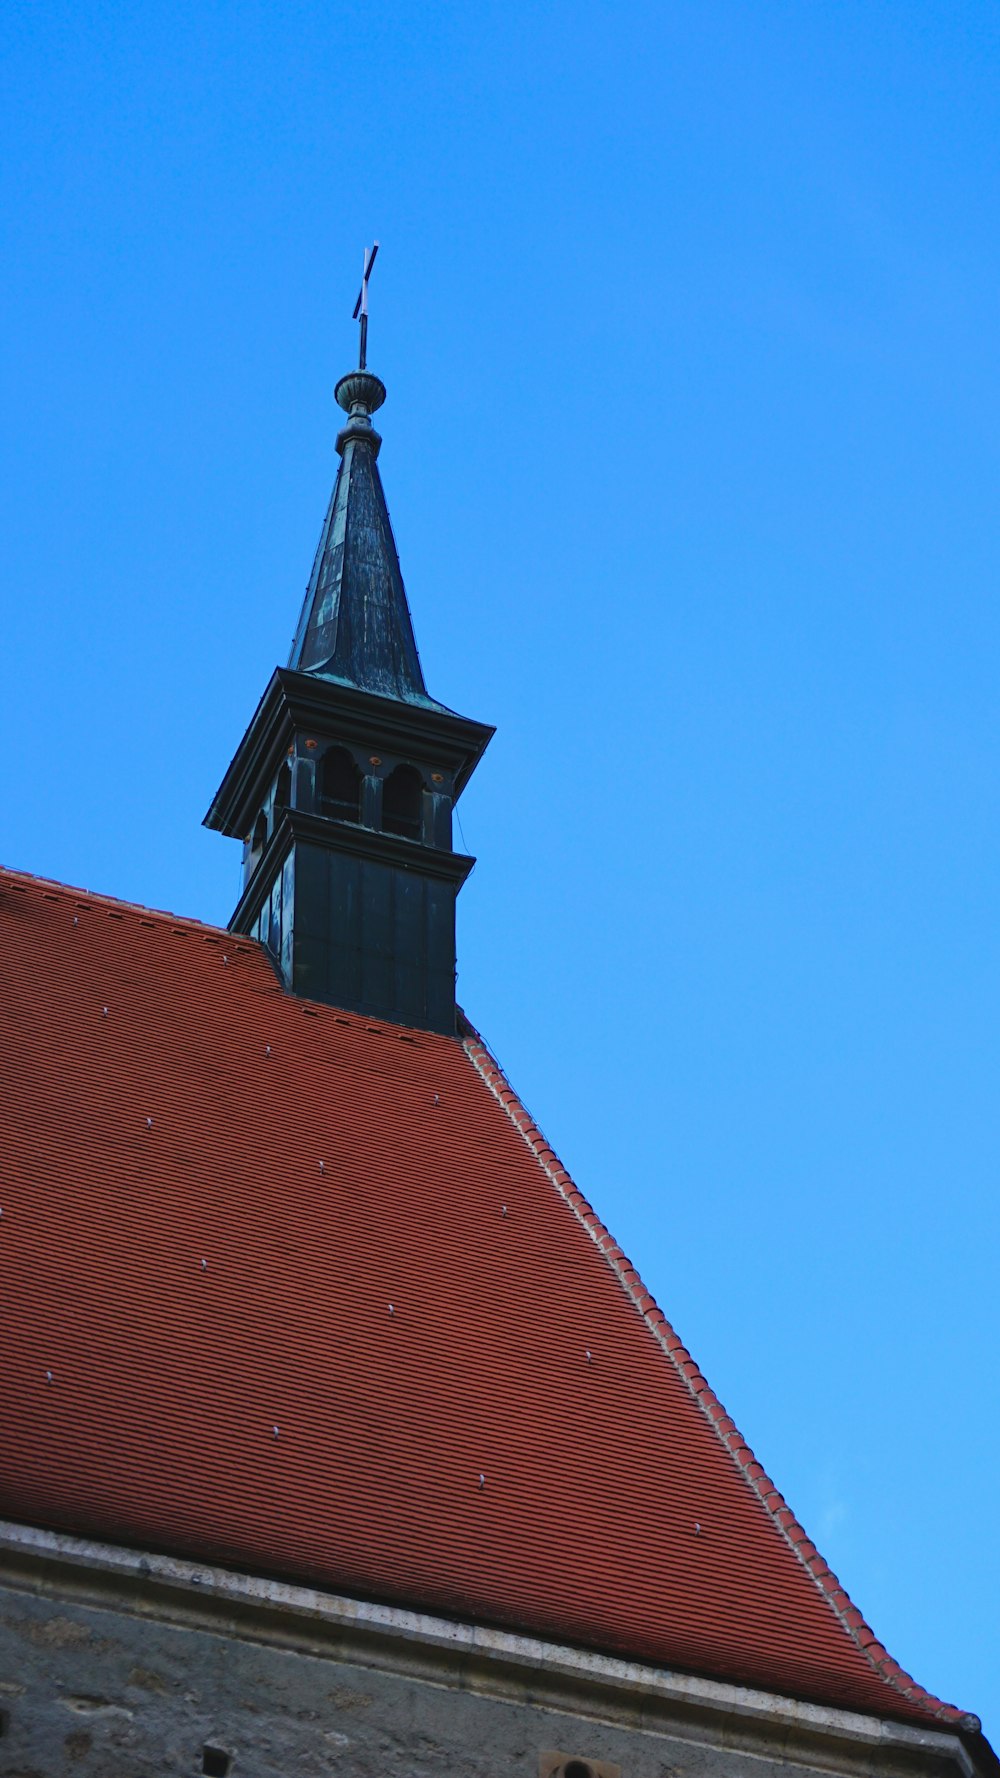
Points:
[355,626]
[343,787]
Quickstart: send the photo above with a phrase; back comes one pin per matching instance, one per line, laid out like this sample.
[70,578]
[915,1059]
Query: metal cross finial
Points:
[361,306]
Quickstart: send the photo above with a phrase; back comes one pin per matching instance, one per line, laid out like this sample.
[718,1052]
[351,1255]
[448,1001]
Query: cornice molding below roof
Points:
[426,1647]
[292,700]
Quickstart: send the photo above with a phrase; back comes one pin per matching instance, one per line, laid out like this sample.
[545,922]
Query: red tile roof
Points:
[311,1296]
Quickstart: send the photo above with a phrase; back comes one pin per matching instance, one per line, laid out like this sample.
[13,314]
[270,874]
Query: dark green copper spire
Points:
[342,788]
[355,626]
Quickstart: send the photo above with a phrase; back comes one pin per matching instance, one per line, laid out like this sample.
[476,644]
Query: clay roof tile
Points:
[263,1258]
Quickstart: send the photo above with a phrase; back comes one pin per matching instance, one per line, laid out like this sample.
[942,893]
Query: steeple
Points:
[343,785]
[355,625]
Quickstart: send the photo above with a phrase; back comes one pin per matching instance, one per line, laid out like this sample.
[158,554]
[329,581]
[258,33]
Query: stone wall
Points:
[114,1663]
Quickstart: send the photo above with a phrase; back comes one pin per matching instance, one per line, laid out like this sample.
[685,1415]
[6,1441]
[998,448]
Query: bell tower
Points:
[343,786]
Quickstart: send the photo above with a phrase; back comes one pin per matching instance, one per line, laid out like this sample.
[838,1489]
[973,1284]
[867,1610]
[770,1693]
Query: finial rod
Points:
[361,306]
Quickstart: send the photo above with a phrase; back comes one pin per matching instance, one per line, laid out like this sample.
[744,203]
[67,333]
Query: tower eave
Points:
[264,737]
[295,701]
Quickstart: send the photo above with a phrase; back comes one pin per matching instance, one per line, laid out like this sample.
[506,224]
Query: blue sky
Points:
[688,316]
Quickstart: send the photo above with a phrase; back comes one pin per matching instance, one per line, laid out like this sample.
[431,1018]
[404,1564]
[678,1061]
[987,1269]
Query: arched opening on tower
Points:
[340,785]
[282,792]
[402,803]
[259,839]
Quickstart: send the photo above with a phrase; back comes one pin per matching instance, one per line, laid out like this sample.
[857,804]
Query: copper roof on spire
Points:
[355,628]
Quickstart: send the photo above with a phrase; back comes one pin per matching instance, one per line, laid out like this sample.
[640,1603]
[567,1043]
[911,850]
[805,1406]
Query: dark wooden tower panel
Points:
[374,936]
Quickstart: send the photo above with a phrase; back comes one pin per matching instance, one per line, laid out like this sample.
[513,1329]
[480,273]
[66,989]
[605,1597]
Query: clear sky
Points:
[688,314]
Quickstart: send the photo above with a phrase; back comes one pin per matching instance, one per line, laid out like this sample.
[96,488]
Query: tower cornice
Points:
[381,848]
[294,702]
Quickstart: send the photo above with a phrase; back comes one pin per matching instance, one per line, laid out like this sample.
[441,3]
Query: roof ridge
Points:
[29,879]
[774,1503]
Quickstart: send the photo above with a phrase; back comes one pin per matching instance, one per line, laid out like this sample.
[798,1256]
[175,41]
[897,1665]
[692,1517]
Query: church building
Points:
[337,1434]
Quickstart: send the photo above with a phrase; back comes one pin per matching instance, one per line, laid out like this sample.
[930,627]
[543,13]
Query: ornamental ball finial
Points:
[360,394]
